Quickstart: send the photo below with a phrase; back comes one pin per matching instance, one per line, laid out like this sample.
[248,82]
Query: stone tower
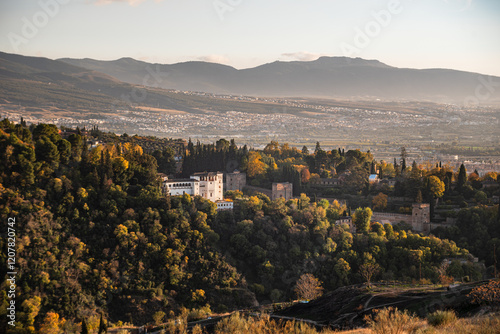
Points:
[421,218]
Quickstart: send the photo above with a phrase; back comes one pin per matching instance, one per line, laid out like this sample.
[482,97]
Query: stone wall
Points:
[394,218]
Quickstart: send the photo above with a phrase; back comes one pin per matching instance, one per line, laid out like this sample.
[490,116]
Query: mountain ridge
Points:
[330,77]
[327,77]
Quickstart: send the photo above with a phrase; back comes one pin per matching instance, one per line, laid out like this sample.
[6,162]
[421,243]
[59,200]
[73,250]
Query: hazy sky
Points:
[458,34]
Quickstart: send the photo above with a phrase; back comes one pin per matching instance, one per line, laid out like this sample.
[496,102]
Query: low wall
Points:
[394,218]
[267,192]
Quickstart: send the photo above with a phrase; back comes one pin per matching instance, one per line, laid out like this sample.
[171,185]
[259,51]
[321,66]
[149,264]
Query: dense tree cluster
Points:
[92,227]
[274,243]
[95,234]
[223,156]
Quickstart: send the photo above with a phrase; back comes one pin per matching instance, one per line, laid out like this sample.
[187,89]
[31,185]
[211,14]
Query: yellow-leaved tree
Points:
[52,324]
[255,164]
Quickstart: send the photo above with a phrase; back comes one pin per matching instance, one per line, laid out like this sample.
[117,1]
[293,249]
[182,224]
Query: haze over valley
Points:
[87,93]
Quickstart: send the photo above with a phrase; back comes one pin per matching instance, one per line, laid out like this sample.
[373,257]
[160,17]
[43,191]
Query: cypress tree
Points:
[103,327]
[318,147]
[462,177]
[85,329]
[404,155]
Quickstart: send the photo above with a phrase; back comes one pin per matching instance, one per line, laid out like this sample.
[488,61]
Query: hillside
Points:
[346,307]
[95,234]
[331,77]
[77,92]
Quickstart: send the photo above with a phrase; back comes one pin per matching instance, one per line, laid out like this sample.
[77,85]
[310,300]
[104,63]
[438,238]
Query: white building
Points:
[178,187]
[207,185]
[224,205]
[211,186]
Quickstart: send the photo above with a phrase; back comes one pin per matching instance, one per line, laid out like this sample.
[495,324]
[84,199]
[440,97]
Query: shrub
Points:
[441,318]
[263,324]
[486,294]
[158,317]
[200,313]
[392,321]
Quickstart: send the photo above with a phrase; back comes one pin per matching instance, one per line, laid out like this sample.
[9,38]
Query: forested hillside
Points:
[92,229]
[94,234]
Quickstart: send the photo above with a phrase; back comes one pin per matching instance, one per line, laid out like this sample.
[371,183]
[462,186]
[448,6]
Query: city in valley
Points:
[429,131]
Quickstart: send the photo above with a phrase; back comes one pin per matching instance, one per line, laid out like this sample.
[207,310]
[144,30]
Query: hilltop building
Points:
[420,218]
[278,190]
[178,187]
[326,182]
[207,185]
[211,186]
[226,204]
[236,181]
[282,190]
[346,220]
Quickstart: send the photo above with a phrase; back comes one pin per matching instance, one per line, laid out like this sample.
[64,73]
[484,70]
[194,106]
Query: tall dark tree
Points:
[85,329]
[404,155]
[462,177]
[317,148]
[103,326]
[396,167]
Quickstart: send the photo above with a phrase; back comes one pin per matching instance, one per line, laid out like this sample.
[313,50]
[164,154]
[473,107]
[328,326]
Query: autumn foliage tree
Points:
[255,164]
[308,287]
[52,324]
[379,202]
[436,186]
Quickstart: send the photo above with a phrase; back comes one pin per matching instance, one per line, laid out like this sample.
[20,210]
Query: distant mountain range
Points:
[93,83]
[36,81]
[330,77]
